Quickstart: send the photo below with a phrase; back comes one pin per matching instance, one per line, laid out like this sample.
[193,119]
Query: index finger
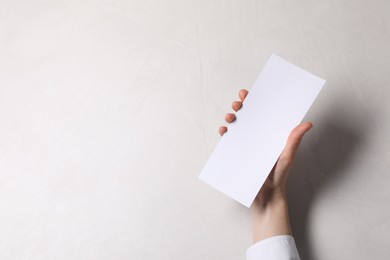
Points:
[242,94]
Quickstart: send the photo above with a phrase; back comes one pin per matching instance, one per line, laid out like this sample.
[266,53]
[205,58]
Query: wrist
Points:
[270,197]
[270,217]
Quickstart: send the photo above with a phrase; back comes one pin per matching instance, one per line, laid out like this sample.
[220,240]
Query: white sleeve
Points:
[274,248]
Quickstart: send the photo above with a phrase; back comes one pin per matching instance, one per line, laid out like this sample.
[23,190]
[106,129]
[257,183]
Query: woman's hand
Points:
[270,211]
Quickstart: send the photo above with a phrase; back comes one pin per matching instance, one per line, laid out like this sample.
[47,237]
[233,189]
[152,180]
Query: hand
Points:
[270,211]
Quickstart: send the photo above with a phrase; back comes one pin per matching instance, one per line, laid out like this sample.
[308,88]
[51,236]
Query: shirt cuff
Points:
[274,248]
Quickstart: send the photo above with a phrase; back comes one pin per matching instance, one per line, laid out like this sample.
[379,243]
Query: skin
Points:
[270,210]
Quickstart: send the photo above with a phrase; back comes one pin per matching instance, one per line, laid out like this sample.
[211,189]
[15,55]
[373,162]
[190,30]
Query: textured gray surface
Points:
[109,110]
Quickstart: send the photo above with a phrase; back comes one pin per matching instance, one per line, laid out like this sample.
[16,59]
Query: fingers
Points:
[222,130]
[236,105]
[242,94]
[293,142]
[229,118]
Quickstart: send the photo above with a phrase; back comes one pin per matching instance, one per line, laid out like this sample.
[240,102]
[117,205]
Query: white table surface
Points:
[109,110]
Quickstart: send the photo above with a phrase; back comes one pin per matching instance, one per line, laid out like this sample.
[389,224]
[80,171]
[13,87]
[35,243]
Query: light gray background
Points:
[109,110]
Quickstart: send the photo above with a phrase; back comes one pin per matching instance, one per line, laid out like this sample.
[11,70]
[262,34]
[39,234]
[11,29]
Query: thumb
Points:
[288,154]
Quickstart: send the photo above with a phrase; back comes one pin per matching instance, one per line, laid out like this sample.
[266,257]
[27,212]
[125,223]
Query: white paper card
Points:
[245,155]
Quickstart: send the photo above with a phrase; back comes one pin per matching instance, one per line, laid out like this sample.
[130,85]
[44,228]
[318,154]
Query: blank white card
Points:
[245,155]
